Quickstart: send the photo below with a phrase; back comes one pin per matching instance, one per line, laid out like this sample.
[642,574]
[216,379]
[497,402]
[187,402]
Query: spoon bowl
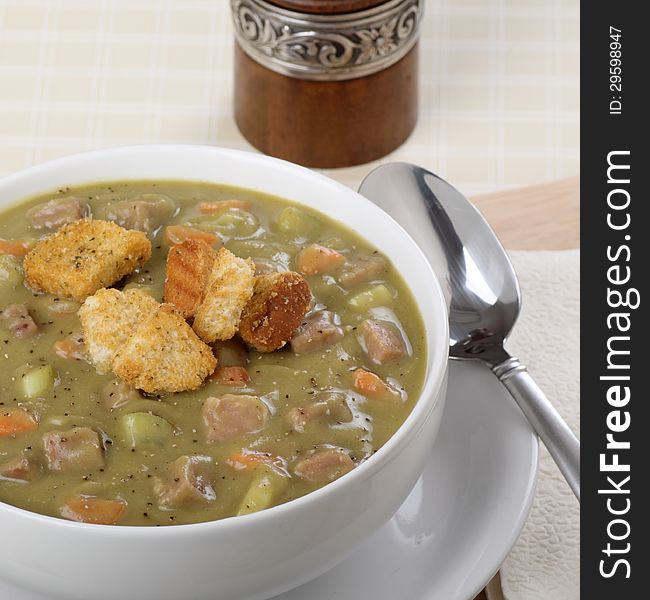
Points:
[481,288]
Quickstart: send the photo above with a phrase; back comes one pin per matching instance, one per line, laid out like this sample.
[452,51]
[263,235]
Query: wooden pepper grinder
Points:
[326,83]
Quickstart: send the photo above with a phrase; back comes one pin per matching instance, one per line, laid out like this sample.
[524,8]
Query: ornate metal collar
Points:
[326,47]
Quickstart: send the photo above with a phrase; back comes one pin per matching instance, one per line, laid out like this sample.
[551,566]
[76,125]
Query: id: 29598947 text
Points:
[615,70]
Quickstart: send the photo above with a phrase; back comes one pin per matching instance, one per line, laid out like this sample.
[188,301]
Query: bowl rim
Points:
[426,402]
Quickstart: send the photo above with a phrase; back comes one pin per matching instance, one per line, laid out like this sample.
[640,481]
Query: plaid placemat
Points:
[499,93]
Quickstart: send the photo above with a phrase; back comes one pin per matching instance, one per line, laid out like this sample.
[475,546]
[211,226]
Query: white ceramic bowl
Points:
[259,555]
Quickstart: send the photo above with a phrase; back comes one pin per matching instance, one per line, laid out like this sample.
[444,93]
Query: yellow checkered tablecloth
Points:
[499,84]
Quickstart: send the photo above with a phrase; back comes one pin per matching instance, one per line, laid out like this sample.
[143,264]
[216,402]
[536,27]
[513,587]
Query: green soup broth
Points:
[137,451]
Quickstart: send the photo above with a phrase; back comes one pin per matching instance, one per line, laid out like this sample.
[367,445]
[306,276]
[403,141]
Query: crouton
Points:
[109,318]
[229,288]
[83,257]
[188,267]
[275,311]
[164,355]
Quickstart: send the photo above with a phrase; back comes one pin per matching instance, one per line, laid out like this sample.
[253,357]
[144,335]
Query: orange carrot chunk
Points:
[13,247]
[371,385]
[218,206]
[245,460]
[232,376]
[14,421]
[317,259]
[87,509]
[177,234]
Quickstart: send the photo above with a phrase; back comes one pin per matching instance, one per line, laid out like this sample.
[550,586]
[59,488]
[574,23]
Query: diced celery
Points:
[324,287]
[296,222]
[378,295]
[263,492]
[10,274]
[144,428]
[37,382]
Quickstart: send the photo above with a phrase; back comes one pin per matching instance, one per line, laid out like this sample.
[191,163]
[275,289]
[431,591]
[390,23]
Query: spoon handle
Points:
[558,438]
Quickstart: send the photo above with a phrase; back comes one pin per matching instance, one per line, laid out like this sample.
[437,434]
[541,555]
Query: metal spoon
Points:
[481,288]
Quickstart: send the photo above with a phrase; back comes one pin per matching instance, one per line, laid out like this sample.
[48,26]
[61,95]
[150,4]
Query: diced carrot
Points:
[176,234]
[250,459]
[70,347]
[218,206]
[316,259]
[233,376]
[87,509]
[13,247]
[371,385]
[244,460]
[16,420]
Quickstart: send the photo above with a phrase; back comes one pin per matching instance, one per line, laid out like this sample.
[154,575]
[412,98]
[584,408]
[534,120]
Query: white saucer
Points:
[463,516]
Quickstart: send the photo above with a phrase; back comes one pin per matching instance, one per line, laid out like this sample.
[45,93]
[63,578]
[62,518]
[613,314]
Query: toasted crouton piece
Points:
[229,288]
[188,267]
[109,318]
[83,257]
[164,355]
[275,311]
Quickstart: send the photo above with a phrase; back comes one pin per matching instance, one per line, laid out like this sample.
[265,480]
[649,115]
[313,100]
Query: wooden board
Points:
[540,217]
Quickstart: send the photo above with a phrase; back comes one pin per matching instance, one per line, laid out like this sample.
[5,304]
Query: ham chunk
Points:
[71,347]
[56,212]
[324,466]
[117,393]
[384,343]
[232,416]
[232,376]
[18,321]
[319,330]
[146,213]
[330,407]
[189,482]
[20,468]
[362,268]
[90,509]
[230,353]
[78,449]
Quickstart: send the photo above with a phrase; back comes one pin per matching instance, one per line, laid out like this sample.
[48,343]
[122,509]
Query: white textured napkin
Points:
[544,564]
